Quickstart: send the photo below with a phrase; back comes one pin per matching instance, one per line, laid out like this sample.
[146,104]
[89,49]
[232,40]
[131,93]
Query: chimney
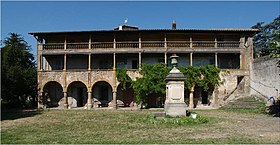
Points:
[174,25]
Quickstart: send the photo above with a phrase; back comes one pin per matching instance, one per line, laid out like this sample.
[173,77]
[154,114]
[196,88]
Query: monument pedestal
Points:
[175,102]
[175,109]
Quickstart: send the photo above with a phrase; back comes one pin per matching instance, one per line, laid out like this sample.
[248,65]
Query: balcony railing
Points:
[178,44]
[203,44]
[127,44]
[144,44]
[152,44]
[228,44]
[77,46]
[53,46]
[102,45]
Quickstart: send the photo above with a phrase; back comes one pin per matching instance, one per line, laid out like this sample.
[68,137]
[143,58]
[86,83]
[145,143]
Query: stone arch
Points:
[102,92]
[103,80]
[77,94]
[127,96]
[52,94]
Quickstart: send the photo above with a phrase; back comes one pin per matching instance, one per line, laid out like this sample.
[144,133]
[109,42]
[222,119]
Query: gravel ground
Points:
[260,127]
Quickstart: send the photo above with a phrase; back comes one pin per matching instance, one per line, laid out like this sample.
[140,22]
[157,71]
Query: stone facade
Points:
[78,69]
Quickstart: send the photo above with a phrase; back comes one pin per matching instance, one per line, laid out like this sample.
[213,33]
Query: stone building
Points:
[78,68]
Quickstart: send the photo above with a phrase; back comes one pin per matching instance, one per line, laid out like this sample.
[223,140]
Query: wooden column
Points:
[165,41]
[191,43]
[65,62]
[89,42]
[114,61]
[191,59]
[89,62]
[216,59]
[140,46]
[216,43]
[65,44]
[114,45]
[165,58]
[140,61]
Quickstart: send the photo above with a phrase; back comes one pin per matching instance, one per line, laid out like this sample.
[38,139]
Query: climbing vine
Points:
[123,78]
[202,76]
[153,80]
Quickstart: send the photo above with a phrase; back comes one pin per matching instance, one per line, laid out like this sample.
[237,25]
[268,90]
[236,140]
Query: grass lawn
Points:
[119,126]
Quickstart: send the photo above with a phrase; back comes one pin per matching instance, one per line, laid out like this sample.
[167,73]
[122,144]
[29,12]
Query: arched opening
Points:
[202,97]
[126,96]
[102,93]
[53,94]
[77,94]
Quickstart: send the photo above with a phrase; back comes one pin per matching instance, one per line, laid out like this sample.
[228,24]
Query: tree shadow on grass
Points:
[12,114]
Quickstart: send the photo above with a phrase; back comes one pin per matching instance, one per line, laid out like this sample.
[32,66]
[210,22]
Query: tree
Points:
[18,72]
[267,41]
[153,79]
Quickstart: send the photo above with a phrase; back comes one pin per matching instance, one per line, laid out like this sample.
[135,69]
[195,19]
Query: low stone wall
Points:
[265,78]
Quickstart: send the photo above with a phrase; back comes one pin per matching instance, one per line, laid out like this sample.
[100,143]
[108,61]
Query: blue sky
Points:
[25,17]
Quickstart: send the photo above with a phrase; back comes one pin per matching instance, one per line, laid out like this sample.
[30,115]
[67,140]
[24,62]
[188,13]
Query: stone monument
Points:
[174,103]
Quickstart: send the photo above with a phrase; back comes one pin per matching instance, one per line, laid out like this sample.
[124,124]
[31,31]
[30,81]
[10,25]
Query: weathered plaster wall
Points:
[265,78]
[232,87]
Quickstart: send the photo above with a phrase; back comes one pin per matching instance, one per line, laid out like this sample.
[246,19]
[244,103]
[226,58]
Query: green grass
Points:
[109,126]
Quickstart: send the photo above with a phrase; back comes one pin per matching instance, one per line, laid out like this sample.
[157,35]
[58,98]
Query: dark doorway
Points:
[204,99]
[104,92]
[80,97]
[78,93]
[52,95]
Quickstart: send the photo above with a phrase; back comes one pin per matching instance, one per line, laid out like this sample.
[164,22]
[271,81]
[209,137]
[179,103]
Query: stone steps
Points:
[244,103]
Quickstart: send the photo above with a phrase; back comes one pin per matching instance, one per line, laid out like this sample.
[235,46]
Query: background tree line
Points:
[267,41]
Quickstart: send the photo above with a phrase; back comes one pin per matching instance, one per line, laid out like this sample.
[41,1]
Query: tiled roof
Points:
[170,30]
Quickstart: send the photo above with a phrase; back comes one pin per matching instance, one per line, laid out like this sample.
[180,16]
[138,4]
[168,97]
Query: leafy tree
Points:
[18,72]
[267,41]
[153,80]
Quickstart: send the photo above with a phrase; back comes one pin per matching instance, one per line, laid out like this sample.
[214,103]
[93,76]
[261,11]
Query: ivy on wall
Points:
[123,78]
[153,80]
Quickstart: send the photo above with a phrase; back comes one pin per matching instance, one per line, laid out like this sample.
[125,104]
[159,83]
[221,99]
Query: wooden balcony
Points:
[143,44]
